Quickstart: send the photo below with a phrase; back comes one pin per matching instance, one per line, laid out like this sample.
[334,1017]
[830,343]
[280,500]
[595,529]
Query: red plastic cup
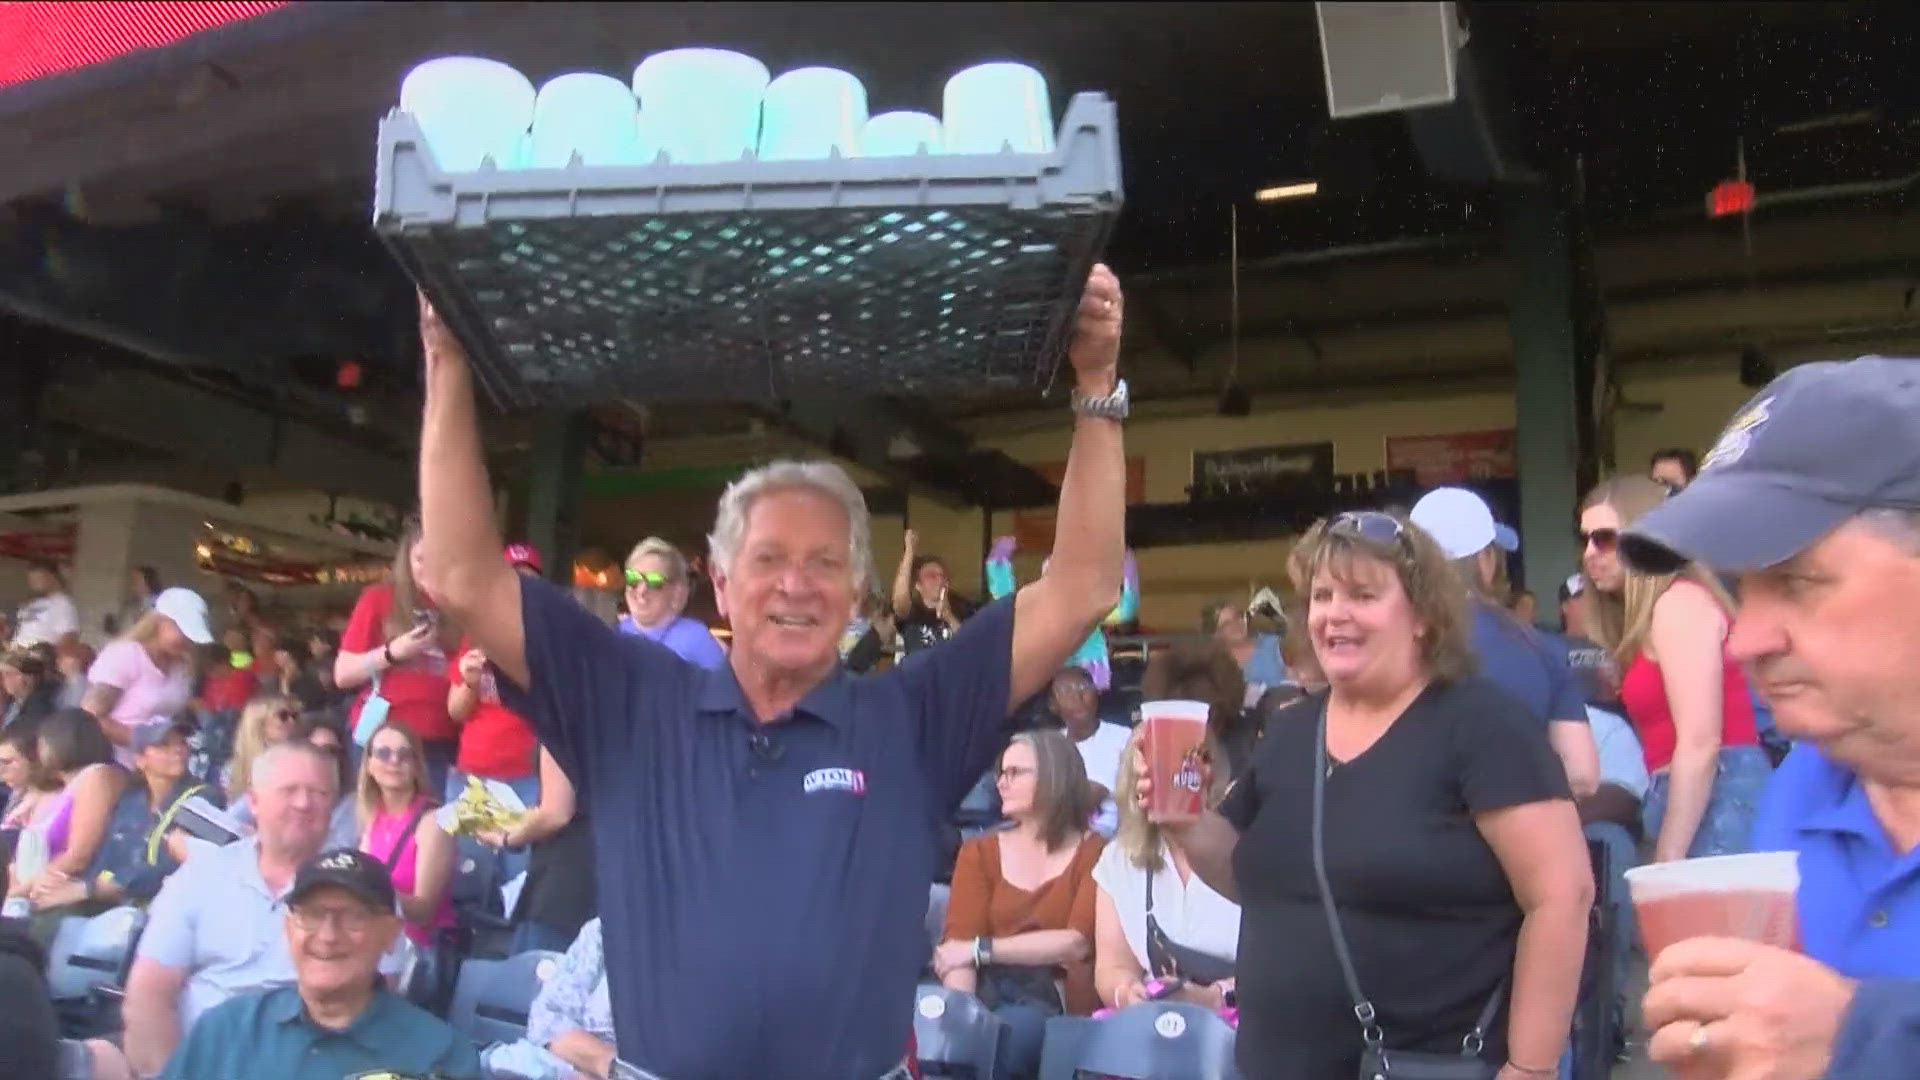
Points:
[1750,897]
[1173,738]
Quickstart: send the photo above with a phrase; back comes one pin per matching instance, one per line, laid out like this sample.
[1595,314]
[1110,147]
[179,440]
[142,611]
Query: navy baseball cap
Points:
[355,871]
[1820,444]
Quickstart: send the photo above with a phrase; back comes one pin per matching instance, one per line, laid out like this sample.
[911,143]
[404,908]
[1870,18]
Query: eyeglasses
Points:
[392,755]
[1369,525]
[1601,540]
[653,578]
[352,922]
[286,714]
[1013,772]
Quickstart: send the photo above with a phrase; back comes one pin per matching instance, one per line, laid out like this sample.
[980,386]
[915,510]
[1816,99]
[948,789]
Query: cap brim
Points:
[194,628]
[1731,524]
[1505,538]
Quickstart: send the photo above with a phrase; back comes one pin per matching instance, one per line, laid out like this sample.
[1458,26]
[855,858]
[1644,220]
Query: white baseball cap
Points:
[188,611]
[1457,519]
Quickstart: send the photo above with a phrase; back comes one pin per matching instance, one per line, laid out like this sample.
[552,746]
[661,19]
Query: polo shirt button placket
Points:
[1878,920]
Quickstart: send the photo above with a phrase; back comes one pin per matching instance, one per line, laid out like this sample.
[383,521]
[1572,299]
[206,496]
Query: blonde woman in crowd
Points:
[266,719]
[1154,918]
[395,806]
[1685,694]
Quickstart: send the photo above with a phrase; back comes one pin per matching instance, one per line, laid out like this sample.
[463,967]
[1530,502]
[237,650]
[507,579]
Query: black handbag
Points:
[1376,1061]
[1168,959]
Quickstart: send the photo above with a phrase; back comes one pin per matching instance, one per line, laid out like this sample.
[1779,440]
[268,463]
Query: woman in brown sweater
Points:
[1020,920]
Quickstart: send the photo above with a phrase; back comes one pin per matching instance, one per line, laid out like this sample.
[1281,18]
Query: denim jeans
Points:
[1739,780]
[1021,1041]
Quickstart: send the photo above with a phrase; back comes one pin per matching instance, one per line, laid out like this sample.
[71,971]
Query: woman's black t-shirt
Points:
[1430,918]
[923,629]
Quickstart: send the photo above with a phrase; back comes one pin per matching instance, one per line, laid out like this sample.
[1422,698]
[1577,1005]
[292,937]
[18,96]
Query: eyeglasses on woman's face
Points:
[1600,540]
[392,755]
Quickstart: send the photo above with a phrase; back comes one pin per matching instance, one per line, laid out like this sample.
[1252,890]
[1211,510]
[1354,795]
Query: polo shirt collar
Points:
[283,1006]
[1836,801]
[830,701]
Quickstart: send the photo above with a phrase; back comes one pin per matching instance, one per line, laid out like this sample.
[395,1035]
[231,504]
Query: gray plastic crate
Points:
[755,280]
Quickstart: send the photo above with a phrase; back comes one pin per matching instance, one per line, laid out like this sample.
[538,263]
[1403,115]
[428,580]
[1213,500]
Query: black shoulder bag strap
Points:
[412,826]
[1363,1010]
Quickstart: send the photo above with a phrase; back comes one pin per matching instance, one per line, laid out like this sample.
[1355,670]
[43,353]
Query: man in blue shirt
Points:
[1811,498]
[338,1019]
[765,832]
[658,585]
[1512,654]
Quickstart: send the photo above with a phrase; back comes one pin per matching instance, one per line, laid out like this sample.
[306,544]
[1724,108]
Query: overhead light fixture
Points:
[1288,191]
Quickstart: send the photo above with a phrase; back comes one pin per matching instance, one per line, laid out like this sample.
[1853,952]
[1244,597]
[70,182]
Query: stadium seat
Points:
[1159,1041]
[87,969]
[957,1036]
[493,997]
[937,895]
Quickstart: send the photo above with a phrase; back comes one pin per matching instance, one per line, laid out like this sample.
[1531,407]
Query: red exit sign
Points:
[1730,197]
[38,39]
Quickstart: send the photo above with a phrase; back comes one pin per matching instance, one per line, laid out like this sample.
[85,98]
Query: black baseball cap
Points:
[355,871]
[1820,444]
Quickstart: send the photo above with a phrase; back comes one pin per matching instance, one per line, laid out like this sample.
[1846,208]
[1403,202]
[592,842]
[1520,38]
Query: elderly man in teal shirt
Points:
[338,1019]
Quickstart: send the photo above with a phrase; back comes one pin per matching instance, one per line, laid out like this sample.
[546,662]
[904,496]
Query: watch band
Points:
[1113,405]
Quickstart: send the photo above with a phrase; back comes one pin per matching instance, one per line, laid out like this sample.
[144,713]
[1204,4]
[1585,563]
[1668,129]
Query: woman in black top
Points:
[558,897]
[1453,852]
[926,609]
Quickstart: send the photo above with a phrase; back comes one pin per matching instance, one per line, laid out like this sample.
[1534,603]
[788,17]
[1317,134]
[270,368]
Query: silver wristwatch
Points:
[1112,405]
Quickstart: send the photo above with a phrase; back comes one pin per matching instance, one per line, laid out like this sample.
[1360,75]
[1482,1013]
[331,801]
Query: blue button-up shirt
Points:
[267,1033]
[1859,898]
[762,887]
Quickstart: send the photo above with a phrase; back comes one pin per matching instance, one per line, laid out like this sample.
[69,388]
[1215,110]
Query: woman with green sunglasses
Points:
[658,584]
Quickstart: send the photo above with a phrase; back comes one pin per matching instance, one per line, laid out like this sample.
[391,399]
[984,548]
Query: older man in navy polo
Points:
[766,832]
[1812,499]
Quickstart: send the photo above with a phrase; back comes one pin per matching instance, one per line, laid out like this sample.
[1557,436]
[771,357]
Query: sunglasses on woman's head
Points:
[392,755]
[1600,539]
[1369,525]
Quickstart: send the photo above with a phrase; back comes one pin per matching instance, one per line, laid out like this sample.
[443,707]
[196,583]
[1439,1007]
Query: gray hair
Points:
[730,524]
[269,760]
[661,549]
[1897,526]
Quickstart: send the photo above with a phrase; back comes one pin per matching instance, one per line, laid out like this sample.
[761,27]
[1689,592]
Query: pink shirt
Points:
[146,692]
[381,837]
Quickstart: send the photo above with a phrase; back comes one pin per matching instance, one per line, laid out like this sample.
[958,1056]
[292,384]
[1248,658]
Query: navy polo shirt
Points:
[1859,901]
[1519,660]
[763,888]
[267,1033]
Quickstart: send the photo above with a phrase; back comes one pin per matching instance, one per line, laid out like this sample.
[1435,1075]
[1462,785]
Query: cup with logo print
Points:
[1173,736]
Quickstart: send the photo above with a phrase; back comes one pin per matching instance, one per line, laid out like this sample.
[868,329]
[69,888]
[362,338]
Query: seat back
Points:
[937,896]
[90,952]
[1162,1040]
[955,1034]
[493,997]
[476,875]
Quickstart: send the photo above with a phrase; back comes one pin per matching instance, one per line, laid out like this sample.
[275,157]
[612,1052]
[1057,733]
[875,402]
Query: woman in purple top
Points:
[658,584]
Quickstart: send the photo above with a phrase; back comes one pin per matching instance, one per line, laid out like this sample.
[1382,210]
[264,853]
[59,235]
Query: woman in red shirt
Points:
[398,640]
[1686,696]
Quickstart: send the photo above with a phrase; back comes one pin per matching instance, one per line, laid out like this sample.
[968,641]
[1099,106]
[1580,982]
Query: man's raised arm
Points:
[461,543]
[1054,615]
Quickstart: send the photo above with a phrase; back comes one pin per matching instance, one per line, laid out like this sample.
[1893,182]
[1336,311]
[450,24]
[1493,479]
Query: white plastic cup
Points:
[1740,896]
[811,112]
[703,105]
[989,107]
[470,109]
[902,134]
[592,115]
